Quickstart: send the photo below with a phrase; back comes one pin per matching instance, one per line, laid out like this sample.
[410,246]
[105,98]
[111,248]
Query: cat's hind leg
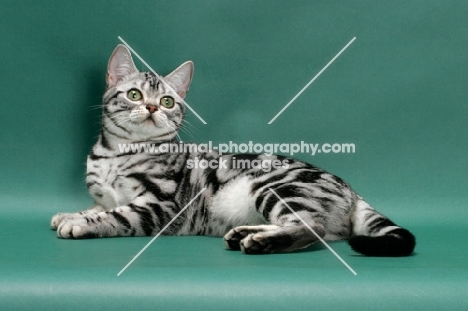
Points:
[233,238]
[266,239]
[289,231]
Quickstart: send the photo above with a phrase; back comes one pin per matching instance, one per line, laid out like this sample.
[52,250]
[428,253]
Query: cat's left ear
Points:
[180,78]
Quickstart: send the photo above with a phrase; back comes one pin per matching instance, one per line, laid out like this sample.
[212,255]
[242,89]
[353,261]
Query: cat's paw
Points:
[84,226]
[57,219]
[77,228]
[69,228]
[233,239]
[256,243]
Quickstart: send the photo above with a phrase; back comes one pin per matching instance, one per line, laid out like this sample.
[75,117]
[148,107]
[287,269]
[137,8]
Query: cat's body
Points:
[140,193]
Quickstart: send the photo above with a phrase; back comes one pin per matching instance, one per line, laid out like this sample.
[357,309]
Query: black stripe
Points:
[93,156]
[193,222]
[326,203]
[104,141]
[270,202]
[276,178]
[108,99]
[379,223]
[122,220]
[270,180]
[297,207]
[138,163]
[89,184]
[151,186]
[125,154]
[331,191]
[152,81]
[290,191]
[146,219]
[113,121]
[106,129]
[91,174]
[212,179]
[308,176]
[340,181]
[162,216]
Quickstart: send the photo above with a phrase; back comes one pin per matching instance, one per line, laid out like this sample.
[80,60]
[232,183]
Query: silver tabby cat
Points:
[137,193]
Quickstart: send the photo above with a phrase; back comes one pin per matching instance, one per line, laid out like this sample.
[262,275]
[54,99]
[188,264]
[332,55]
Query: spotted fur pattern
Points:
[138,194]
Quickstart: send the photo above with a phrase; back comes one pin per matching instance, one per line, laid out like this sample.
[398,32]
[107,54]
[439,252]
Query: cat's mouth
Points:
[154,120]
[150,120]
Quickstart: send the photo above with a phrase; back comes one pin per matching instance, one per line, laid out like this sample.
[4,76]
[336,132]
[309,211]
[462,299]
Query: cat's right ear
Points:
[120,65]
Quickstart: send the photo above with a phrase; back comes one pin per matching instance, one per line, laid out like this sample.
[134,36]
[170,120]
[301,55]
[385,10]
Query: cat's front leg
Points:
[91,225]
[58,218]
[139,218]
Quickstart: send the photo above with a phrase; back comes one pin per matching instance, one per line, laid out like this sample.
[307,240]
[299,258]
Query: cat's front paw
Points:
[77,228]
[69,229]
[57,219]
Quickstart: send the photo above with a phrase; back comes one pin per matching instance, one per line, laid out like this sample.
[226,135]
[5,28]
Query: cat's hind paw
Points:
[235,237]
[258,243]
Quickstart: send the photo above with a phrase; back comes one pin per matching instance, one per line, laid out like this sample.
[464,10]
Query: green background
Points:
[398,93]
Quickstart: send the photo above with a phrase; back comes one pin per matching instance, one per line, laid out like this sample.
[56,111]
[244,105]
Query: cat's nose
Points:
[151,108]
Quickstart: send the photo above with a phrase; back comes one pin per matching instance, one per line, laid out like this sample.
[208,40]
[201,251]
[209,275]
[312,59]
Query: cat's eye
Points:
[167,102]
[134,95]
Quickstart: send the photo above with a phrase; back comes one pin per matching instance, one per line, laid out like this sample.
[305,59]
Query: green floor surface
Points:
[39,271]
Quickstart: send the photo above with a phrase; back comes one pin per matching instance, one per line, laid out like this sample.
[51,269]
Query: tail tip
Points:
[397,243]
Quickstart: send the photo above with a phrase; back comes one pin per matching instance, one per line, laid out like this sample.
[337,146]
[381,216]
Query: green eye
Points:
[167,102]
[134,95]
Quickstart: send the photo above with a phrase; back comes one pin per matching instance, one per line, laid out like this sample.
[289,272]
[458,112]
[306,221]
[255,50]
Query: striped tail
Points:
[376,235]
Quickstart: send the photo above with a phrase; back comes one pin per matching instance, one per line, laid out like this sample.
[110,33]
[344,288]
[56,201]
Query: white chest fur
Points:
[108,186]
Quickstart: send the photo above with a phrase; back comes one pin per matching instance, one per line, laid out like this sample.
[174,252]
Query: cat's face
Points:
[140,106]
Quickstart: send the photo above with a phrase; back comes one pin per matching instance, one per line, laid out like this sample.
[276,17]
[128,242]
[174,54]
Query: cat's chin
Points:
[149,131]
[145,124]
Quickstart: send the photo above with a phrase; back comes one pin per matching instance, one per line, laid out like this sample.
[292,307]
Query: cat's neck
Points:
[109,145]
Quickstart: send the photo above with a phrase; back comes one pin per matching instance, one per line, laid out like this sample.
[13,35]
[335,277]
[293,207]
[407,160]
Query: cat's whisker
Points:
[120,121]
[95,107]
[171,129]
[187,129]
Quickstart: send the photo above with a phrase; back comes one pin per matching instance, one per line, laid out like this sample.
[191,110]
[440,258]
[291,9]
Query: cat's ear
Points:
[120,65]
[180,78]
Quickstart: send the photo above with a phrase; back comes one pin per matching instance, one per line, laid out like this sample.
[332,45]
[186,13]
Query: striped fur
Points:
[138,194]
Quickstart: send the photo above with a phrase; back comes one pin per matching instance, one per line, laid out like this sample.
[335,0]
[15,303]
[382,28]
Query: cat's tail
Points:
[376,235]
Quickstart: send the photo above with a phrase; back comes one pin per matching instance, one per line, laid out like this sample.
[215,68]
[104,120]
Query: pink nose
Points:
[151,108]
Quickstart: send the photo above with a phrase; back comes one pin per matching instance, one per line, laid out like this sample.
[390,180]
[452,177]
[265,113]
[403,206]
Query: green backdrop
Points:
[398,92]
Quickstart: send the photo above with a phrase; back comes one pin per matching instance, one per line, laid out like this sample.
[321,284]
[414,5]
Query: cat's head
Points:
[138,106]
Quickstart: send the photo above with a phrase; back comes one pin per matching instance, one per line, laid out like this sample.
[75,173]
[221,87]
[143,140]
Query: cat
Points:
[139,193]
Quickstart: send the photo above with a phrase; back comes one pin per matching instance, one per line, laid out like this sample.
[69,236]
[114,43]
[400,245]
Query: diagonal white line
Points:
[161,78]
[313,231]
[160,232]
[311,81]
